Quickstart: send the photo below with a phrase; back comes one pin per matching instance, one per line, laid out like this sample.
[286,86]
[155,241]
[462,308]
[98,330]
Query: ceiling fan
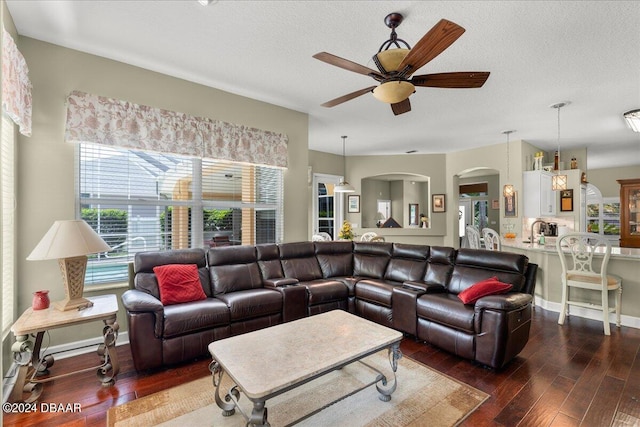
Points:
[398,64]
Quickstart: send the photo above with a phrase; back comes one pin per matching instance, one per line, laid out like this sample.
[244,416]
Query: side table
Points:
[33,365]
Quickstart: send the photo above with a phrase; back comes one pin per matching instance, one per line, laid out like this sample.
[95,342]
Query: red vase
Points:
[40,300]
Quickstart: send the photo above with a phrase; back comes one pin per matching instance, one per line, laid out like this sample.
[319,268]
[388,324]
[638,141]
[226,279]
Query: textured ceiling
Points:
[539,53]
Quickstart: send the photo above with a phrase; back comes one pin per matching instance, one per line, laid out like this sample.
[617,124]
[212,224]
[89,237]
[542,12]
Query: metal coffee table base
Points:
[258,417]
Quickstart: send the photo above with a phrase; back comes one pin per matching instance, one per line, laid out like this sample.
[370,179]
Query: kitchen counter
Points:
[550,246]
[624,262]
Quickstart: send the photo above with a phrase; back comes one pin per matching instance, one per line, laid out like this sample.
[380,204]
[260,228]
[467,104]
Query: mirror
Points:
[392,197]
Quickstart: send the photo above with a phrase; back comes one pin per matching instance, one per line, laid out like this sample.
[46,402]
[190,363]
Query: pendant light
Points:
[558,181]
[344,186]
[508,190]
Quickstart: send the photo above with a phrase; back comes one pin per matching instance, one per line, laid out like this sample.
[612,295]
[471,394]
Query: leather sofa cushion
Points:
[224,255]
[439,265]
[446,309]
[474,265]
[194,316]
[234,277]
[376,291]
[303,269]
[402,270]
[299,261]
[252,303]
[370,259]
[145,279]
[269,261]
[369,266]
[322,291]
[335,265]
[403,250]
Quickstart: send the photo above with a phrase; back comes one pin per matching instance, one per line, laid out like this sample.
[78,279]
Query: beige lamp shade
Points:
[68,239]
[393,92]
[70,242]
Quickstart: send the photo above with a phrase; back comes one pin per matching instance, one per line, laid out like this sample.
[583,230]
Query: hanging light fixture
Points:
[344,186]
[508,189]
[558,181]
[633,119]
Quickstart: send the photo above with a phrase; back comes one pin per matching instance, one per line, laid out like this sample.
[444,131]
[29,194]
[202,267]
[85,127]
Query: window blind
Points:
[7,218]
[145,201]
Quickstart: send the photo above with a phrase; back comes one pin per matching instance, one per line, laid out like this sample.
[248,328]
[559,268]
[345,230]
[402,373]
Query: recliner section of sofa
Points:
[412,288]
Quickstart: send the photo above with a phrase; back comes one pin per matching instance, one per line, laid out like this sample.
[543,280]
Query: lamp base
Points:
[72,270]
[72,304]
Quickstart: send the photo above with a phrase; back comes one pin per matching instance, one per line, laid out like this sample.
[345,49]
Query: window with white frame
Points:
[146,201]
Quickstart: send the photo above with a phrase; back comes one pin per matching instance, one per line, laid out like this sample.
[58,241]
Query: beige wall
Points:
[46,166]
[605,179]
[431,165]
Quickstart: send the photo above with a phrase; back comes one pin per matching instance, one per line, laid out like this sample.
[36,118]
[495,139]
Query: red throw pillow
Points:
[179,283]
[491,286]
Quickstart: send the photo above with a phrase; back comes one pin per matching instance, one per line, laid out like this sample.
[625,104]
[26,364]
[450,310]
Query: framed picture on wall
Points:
[353,204]
[495,204]
[566,201]
[413,214]
[511,205]
[438,203]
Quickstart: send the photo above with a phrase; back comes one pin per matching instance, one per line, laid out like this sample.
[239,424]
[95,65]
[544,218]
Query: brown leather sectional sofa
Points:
[411,288]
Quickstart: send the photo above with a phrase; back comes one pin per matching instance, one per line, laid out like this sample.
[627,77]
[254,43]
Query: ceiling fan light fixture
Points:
[390,59]
[394,91]
[633,119]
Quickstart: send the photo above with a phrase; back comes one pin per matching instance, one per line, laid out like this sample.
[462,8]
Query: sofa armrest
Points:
[506,302]
[429,288]
[279,283]
[502,324]
[135,301]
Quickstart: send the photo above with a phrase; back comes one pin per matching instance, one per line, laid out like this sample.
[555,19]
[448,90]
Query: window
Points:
[144,201]
[478,195]
[7,221]
[602,214]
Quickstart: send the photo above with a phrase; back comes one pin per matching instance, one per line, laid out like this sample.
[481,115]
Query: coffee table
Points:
[268,362]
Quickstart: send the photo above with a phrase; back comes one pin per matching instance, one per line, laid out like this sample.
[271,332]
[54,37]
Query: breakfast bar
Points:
[624,262]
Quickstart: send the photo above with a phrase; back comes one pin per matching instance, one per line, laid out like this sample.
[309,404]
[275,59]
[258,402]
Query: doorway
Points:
[327,205]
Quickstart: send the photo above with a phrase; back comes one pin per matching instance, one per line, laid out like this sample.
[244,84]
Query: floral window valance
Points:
[16,86]
[97,119]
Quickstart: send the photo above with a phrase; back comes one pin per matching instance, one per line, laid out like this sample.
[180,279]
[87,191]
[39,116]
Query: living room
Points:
[46,164]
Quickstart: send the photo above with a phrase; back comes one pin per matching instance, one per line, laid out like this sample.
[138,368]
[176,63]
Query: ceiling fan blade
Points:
[432,44]
[346,64]
[348,97]
[458,80]
[401,107]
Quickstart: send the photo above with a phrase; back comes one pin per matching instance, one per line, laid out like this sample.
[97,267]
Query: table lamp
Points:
[70,242]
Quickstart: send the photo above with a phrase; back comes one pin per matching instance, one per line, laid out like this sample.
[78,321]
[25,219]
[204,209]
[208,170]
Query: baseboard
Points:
[61,351]
[587,313]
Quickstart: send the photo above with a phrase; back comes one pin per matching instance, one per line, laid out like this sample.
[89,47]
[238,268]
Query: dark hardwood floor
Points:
[567,375]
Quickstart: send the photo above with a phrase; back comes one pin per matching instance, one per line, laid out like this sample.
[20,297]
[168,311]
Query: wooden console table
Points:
[37,322]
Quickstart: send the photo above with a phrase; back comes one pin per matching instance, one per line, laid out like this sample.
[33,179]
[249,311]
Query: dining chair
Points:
[584,258]
[491,239]
[321,237]
[368,236]
[473,237]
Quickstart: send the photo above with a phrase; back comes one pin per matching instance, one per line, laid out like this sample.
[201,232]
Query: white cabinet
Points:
[539,200]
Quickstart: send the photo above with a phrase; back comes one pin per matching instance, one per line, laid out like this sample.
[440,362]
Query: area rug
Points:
[423,397]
